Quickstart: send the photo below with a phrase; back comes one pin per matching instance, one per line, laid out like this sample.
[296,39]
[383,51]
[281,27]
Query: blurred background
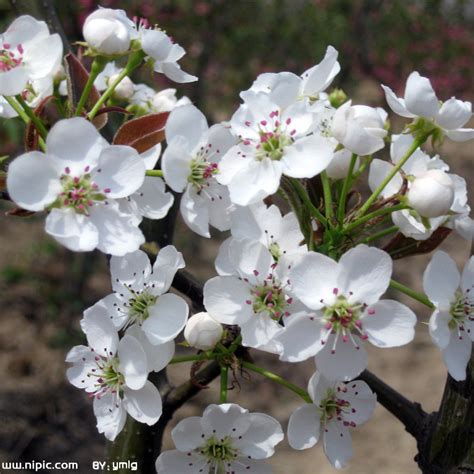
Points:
[44,288]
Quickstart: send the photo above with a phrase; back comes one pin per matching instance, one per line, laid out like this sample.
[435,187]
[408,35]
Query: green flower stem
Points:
[422,298]
[33,117]
[22,114]
[97,67]
[373,215]
[341,211]
[276,378]
[373,197]
[303,195]
[155,173]
[235,344]
[379,235]
[365,163]
[189,358]
[327,196]
[134,61]
[223,390]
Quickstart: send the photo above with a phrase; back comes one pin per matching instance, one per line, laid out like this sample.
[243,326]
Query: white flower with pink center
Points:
[141,300]
[27,53]
[274,142]
[114,373]
[227,438]
[345,298]
[452,323]
[191,164]
[421,102]
[78,181]
[336,407]
[255,296]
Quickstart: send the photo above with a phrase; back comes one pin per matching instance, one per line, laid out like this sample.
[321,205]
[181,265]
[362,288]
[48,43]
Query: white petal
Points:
[188,122]
[32,181]
[174,72]
[259,330]
[319,77]
[132,362]
[389,323]
[151,156]
[14,81]
[243,465]
[467,281]
[167,263]
[453,114]
[307,157]
[420,98]
[301,337]
[304,427]
[176,462]
[364,274]
[167,319]
[347,362]
[225,300]
[100,331]
[396,104]
[76,143]
[439,329]
[223,264]
[151,198]
[456,356]
[158,356]
[251,259]
[43,56]
[263,434]
[110,417]
[176,163]
[143,405]
[441,279]
[235,160]
[337,444]
[132,270]
[461,134]
[195,212]
[362,401]
[122,171]
[118,232]
[313,279]
[187,434]
[224,420]
[75,231]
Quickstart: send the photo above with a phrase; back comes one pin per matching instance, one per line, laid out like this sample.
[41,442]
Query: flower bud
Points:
[337,97]
[431,194]
[108,31]
[202,331]
[124,90]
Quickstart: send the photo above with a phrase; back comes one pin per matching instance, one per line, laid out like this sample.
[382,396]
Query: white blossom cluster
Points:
[307,283]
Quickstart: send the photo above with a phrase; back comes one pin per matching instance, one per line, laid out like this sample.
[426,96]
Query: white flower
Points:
[203,332]
[280,234]
[27,53]
[79,180]
[359,128]
[164,54]
[227,438]
[345,299]
[275,141]
[191,163]
[114,373]
[150,200]
[254,296]
[452,323]
[109,31]
[336,408]
[285,88]
[140,295]
[421,101]
[431,194]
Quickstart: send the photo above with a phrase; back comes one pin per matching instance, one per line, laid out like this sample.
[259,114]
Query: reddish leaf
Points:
[401,246]
[142,133]
[77,76]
